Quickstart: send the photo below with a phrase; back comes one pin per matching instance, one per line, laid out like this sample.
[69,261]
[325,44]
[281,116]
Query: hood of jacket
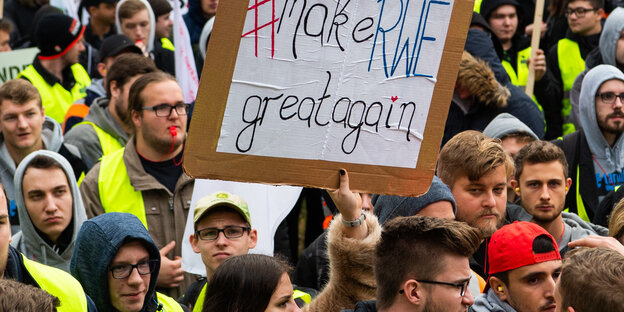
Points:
[505,124]
[611,158]
[52,137]
[97,244]
[99,115]
[610,35]
[28,240]
[150,40]
[195,20]
[97,87]
[478,78]
[489,302]
[581,228]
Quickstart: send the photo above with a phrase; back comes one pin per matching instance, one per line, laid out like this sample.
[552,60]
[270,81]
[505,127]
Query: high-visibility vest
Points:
[571,64]
[167,44]
[520,77]
[477,6]
[108,143]
[168,304]
[199,303]
[55,99]
[59,284]
[116,192]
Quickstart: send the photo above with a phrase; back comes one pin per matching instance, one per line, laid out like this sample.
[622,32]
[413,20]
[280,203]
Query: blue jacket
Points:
[195,20]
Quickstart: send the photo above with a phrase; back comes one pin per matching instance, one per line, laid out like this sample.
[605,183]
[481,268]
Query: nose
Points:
[489,200]
[221,239]
[467,299]
[618,101]
[545,195]
[21,122]
[81,46]
[135,277]
[50,205]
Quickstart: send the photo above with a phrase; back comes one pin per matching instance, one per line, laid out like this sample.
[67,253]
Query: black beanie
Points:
[56,34]
[488,6]
[160,7]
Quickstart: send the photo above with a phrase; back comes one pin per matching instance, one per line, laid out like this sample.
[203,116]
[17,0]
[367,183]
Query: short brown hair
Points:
[539,152]
[6,26]
[616,220]
[19,91]
[127,66]
[135,99]
[129,8]
[520,137]
[592,279]
[25,298]
[412,247]
[473,154]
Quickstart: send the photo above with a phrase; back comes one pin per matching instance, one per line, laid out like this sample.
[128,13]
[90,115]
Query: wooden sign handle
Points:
[535,39]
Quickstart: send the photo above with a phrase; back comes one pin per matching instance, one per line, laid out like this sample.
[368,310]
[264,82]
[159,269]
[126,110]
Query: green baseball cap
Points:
[220,199]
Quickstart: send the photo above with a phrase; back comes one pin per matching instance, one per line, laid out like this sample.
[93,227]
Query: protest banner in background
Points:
[294,90]
[13,62]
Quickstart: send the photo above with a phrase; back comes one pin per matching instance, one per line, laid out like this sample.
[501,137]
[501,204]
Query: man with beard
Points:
[541,181]
[105,129]
[595,154]
[145,178]
[524,266]
[476,169]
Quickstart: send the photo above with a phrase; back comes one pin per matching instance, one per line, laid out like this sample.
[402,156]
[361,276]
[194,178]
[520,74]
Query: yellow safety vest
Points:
[55,99]
[519,79]
[167,44]
[199,303]
[571,64]
[107,142]
[477,6]
[59,284]
[116,192]
[169,304]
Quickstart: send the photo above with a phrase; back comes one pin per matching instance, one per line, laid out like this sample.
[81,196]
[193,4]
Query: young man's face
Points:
[72,56]
[446,297]
[163,26]
[610,116]
[5,38]
[154,130]
[531,288]
[104,12]
[209,7]
[619,50]
[5,232]
[48,200]
[128,294]
[504,22]
[482,203]
[137,28]
[119,96]
[214,252]
[21,124]
[588,23]
[543,189]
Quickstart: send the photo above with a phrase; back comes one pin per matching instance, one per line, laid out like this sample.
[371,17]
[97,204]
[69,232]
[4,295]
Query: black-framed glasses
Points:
[164,110]
[462,286]
[124,270]
[609,97]
[580,12]
[229,232]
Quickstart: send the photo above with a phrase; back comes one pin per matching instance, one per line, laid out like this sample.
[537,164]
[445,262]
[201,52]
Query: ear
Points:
[515,186]
[413,292]
[568,184]
[91,10]
[136,118]
[114,89]
[194,243]
[101,67]
[253,238]
[500,289]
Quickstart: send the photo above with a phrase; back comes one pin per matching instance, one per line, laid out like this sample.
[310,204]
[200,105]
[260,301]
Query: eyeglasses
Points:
[609,97]
[580,12]
[228,231]
[462,286]
[164,110]
[124,270]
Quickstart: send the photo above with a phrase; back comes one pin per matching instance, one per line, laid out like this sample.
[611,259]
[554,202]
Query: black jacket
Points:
[364,306]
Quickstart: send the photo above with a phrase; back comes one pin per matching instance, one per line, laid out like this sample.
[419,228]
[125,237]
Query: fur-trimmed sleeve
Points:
[351,277]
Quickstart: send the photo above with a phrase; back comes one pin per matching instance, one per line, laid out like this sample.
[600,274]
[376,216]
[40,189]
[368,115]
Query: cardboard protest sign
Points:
[13,62]
[294,90]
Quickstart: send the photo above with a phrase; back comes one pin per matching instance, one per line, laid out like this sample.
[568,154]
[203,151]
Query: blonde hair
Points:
[616,220]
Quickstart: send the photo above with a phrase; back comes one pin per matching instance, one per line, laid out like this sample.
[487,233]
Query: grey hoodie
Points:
[489,302]
[52,137]
[28,240]
[85,138]
[607,159]
[505,124]
[577,228]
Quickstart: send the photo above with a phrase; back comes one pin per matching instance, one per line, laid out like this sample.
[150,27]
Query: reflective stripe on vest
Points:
[107,142]
[199,303]
[116,192]
[477,6]
[580,207]
[571,64]
[55,99]
[167,44]
[168,304]
[59,284]
[303,296]
[520,79]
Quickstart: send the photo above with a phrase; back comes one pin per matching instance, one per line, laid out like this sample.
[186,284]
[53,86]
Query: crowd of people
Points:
[525,212]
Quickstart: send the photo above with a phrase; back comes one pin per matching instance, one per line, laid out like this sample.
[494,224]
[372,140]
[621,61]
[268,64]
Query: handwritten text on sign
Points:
[336,80]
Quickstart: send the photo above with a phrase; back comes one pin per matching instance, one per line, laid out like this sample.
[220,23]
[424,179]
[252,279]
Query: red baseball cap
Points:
[511,247]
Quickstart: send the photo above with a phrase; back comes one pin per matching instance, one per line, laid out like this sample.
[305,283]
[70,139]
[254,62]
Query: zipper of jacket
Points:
[171,203]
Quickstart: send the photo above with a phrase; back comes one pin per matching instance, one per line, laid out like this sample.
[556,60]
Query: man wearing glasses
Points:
[566,60]
[595,154]
[146,178]
[117,263]
[524,266]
